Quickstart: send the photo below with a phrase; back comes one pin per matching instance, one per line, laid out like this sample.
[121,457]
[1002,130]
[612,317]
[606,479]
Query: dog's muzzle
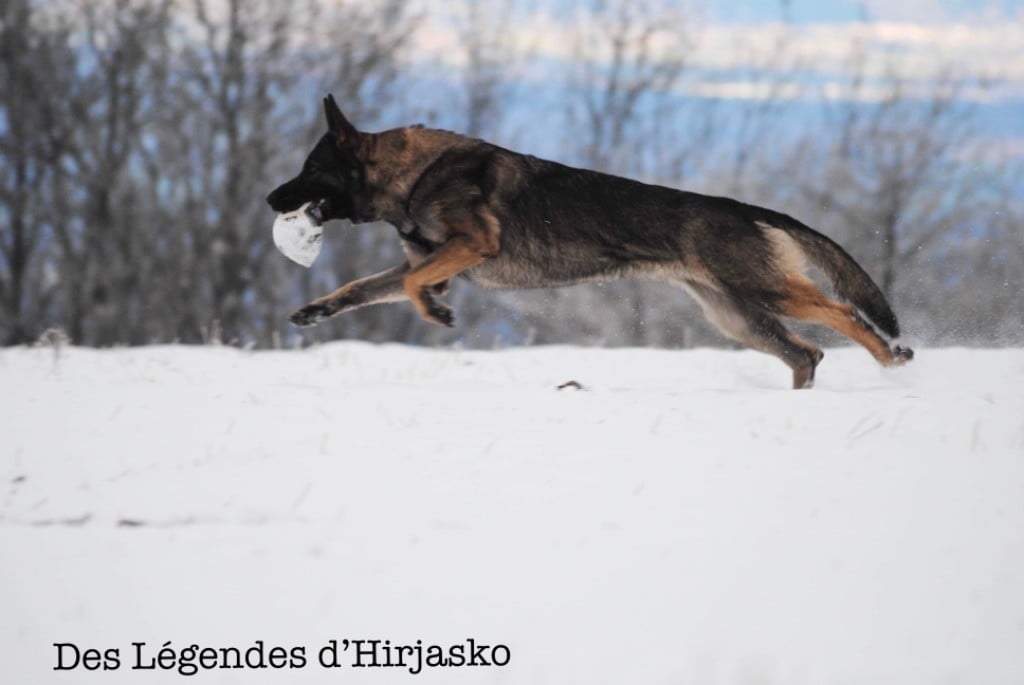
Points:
[298,234]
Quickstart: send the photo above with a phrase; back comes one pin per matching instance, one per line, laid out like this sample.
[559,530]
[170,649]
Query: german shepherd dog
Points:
[465,207]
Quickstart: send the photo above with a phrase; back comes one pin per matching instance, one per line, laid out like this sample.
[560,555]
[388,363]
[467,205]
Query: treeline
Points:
[138,139]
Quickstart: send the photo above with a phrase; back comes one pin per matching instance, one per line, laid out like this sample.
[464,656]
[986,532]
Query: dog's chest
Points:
[421,239]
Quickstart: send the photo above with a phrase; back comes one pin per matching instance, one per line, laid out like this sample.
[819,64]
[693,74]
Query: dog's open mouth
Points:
[298,234]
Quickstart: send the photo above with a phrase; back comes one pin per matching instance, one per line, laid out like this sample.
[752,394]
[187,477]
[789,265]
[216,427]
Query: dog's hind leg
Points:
[383,287]
[758,329]
[805,302]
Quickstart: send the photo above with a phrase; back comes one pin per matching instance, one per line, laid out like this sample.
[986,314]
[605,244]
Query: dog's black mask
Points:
[332,174]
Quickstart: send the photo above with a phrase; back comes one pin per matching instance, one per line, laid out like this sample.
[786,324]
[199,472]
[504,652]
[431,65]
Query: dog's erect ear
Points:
[337,124]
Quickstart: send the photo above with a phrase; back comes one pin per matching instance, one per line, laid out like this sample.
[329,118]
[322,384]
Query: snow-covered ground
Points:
[684,518]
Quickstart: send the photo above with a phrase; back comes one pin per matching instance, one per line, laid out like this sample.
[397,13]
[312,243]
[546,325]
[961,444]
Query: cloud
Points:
[986,49]
[991,56]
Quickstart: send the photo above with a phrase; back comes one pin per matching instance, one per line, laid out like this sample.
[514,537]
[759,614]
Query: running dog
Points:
[500,219]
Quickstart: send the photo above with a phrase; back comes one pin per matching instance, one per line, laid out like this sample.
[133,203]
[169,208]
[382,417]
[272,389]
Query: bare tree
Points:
[969,285]
[886,158]
[27,54]
[896,186]
[225,116]
[491,60]
[628,56]
[94,121]
[132,184]
[246,92]
[358,56]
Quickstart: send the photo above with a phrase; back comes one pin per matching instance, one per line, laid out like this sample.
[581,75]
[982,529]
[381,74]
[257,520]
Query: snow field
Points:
[683,519]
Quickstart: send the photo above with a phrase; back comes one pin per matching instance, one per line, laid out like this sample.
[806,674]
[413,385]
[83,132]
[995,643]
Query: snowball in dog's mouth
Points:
[298,234]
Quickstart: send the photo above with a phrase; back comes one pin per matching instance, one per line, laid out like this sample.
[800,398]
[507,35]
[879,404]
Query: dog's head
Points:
[332,175]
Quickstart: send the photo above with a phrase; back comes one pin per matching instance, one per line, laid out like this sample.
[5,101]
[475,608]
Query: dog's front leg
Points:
[387,286]
[461,252]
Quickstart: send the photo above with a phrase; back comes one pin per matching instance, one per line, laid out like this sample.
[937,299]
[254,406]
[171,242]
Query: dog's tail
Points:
[847,277]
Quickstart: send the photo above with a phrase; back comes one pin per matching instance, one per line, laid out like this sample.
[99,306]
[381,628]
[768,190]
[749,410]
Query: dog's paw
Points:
[902,355]
[310,315]
[438,313]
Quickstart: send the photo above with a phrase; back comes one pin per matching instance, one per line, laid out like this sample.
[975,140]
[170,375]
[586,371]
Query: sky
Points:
[980,42]
[918,11]
[978,39]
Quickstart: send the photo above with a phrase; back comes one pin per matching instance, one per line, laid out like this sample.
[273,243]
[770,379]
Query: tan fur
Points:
[728,321]
[789,258]
[689,269]
[488,235]
[458,254]
[395,159]
[805,302]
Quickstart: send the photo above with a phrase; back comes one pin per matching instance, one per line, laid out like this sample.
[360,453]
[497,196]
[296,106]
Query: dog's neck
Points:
[395,161]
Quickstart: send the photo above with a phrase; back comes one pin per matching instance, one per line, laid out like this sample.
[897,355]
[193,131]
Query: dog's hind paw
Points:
[902,355]
[310,315]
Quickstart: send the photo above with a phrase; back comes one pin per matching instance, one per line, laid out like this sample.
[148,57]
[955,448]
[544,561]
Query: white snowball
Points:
[297,236]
